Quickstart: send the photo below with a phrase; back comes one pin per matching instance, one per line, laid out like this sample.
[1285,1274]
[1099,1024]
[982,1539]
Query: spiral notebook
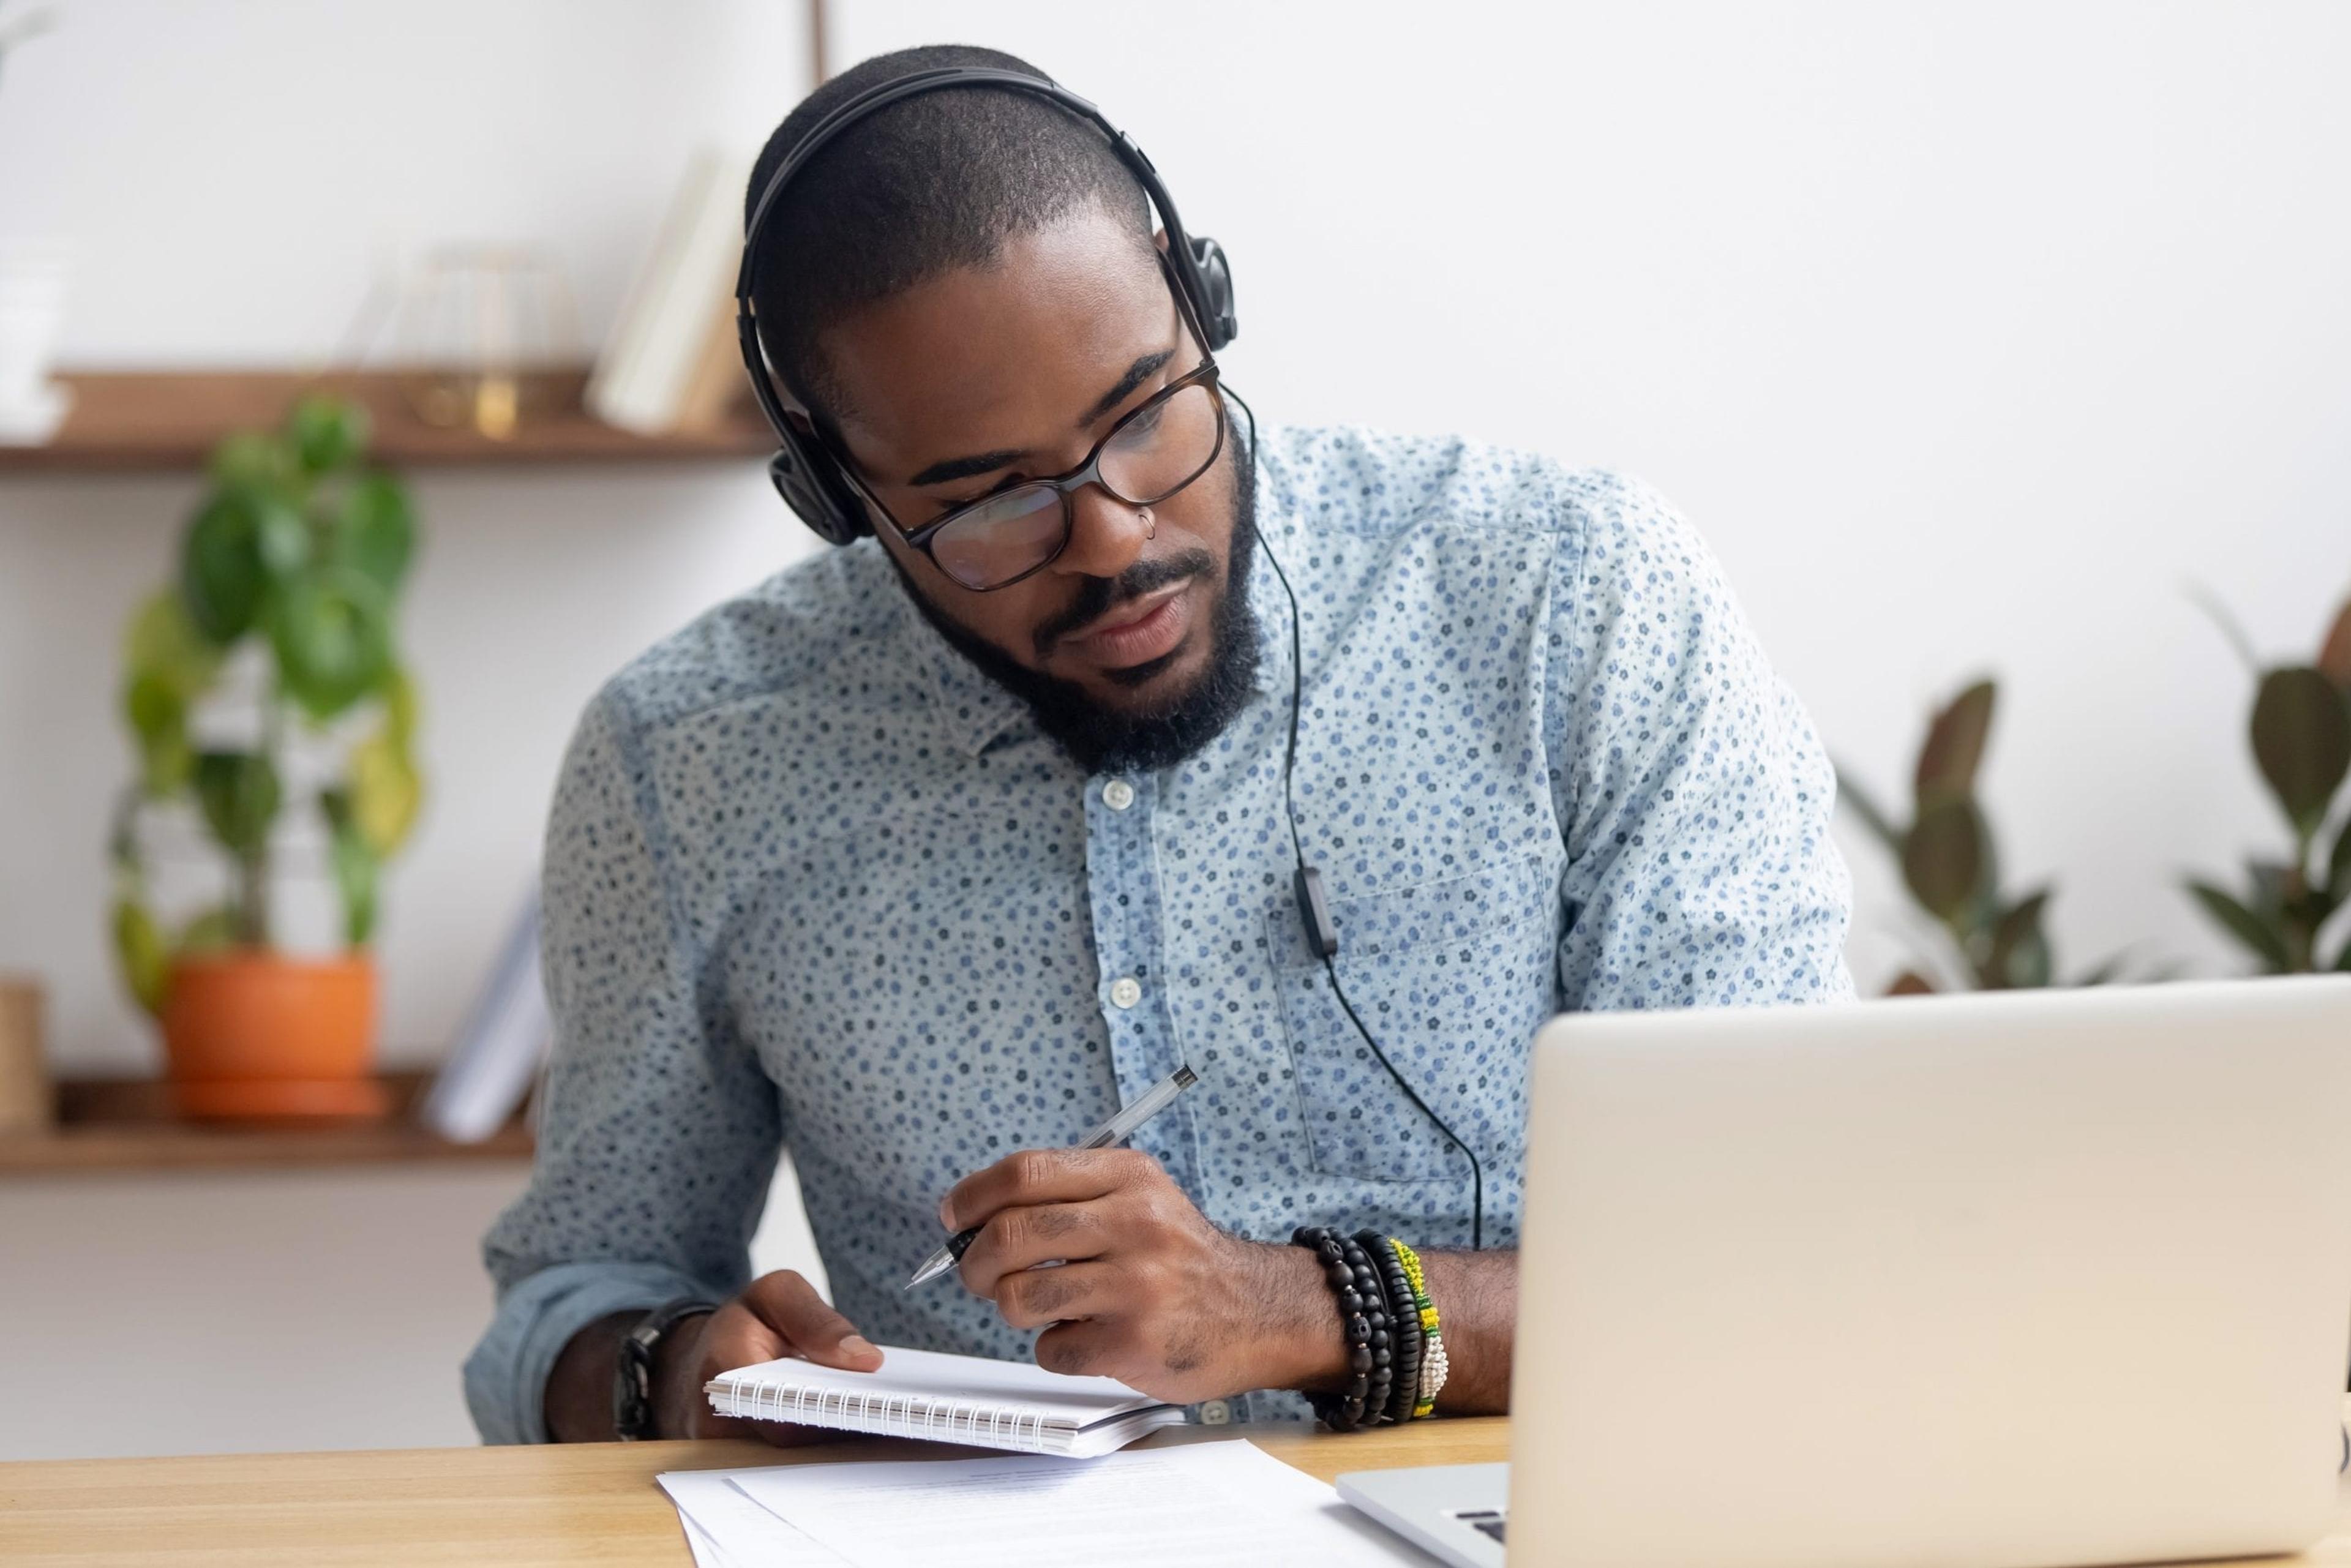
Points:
[948,1398]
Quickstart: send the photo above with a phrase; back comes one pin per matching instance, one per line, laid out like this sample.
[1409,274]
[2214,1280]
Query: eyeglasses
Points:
[1153,453]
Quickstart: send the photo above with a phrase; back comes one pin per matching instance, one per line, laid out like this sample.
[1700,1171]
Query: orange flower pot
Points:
[256,1034]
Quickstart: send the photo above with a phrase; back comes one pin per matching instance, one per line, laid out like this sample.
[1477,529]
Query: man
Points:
[924,856]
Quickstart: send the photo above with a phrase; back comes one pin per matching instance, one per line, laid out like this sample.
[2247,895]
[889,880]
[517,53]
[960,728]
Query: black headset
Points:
[809,475]
[806,471]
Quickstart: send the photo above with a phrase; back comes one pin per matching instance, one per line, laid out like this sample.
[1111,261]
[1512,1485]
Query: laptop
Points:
[2010,1280]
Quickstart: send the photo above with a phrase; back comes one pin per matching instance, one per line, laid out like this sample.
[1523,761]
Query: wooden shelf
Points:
[171,420]
[129,1124]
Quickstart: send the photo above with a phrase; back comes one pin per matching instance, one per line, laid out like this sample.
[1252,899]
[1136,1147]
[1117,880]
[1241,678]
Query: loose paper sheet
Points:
[1152,1507]
[724,1529]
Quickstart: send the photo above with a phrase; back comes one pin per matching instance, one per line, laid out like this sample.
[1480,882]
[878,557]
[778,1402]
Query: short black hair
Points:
[929,184]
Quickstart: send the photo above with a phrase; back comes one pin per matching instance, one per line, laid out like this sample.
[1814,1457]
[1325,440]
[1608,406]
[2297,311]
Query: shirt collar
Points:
[1271,607]
[973,711]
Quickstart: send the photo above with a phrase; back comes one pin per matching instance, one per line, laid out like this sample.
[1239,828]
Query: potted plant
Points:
[267,697]
[1988,940]
[2301,734]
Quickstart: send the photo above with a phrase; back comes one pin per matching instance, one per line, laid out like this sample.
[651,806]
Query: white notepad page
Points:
[954,1399]
[1222,1501]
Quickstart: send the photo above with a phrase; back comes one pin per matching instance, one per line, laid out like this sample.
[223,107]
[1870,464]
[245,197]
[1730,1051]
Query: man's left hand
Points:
[1149,1291]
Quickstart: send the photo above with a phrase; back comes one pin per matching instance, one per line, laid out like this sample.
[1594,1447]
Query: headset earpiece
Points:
[1214,275]
[802,479]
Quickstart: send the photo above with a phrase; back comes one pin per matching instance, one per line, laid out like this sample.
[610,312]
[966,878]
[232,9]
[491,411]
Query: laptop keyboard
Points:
[1490,1520]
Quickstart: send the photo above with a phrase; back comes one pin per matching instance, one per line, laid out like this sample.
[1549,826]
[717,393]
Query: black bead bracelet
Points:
[1403,1319]
[1354,1281]
[1341,1411]
[1376,1308]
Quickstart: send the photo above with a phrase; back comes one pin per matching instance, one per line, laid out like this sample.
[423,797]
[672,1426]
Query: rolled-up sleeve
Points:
[1694,795]
[660,1132]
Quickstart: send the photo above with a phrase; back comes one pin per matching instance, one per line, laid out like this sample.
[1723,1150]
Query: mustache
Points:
[1097,596]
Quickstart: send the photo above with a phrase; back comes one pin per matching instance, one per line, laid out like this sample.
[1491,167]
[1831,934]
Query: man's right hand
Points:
[779,1314]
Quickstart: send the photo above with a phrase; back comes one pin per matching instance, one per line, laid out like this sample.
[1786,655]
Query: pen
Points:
[1117,1130]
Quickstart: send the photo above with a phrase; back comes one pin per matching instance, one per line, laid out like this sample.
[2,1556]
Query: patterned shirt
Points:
[815,882]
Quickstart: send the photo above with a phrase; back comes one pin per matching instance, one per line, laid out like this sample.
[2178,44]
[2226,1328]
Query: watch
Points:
[632,1373]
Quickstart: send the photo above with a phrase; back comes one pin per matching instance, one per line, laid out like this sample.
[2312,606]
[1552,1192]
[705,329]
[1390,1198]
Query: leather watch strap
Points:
[632,1371]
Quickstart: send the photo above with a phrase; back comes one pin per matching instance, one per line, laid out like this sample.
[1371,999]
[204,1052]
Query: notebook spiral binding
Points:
[894,1416]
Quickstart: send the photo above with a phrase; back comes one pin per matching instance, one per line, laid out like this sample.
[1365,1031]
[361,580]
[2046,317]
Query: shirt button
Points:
[1118,794]
[1124,991]
[1216,1413]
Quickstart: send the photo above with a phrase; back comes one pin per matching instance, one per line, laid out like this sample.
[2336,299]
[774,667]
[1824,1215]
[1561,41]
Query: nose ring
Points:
[1150,525]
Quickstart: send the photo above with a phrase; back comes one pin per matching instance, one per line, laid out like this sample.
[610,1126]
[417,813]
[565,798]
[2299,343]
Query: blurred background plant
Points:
[2301,734]
[1950,866]
[289,570]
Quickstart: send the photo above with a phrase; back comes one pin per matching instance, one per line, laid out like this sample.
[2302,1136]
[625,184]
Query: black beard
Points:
[1103,740]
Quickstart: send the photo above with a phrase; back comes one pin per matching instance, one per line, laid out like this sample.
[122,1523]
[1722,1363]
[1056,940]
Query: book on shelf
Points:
[670,362]
[499,1052]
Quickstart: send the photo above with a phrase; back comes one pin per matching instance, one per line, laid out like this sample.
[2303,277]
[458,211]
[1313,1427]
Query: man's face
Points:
[980,378]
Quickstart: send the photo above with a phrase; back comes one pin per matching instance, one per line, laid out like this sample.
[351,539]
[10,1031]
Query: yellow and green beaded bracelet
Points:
[1433,1365]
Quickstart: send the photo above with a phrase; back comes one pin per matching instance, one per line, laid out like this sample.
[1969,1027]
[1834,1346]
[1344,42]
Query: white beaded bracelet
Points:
[1433,1368]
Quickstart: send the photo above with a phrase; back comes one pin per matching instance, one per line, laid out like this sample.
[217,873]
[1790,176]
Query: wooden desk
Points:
[588,1504]
[582,1503]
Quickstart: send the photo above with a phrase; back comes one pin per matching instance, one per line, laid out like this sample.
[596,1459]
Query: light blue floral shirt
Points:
[813,882]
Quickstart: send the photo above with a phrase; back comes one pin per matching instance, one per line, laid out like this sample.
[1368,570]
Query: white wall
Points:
[251,1311]
[233,172]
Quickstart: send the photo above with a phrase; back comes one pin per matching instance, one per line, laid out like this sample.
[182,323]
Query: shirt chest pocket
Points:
[1451,978]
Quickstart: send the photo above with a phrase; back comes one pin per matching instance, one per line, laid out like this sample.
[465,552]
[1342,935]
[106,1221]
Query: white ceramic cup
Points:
[34,275]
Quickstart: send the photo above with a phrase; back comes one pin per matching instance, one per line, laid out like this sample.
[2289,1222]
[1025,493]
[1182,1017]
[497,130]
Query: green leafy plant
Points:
[2301,735]
[296,551]
[1949,862]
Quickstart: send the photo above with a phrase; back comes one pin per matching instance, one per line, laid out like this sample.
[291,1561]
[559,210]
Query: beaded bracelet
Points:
[1362,1311]
[1433,1363]
[1432,1380]
[1373,1292]
[1404,1321]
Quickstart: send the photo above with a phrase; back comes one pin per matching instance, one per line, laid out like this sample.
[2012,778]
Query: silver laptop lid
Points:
[2044,1277]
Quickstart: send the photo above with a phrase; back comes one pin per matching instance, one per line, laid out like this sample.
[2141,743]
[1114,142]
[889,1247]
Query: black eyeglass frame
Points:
[1086,472]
